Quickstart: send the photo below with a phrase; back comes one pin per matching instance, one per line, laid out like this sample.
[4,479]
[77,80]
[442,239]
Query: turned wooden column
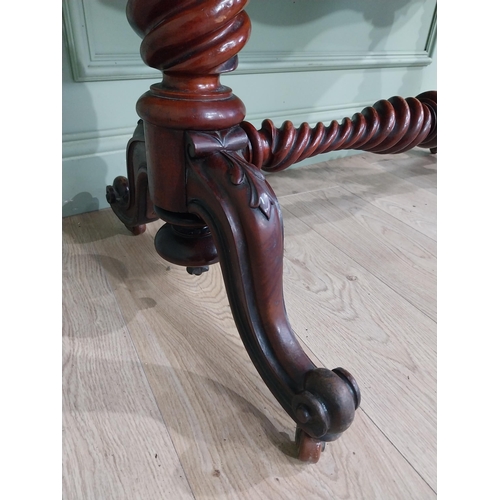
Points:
[191,43]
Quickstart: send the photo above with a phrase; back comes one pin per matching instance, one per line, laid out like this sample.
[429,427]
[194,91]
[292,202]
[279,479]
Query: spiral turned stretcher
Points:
[389,126]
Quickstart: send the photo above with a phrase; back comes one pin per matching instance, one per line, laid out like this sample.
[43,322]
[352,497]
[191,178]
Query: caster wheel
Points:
[136,230]
[309,449]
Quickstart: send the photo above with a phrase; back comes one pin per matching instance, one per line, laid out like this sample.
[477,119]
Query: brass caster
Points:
[309,449]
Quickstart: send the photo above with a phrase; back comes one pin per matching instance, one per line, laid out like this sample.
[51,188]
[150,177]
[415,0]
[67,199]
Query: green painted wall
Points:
[307,60]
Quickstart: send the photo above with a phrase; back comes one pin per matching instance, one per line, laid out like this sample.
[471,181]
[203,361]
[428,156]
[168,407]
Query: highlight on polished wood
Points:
[198,166]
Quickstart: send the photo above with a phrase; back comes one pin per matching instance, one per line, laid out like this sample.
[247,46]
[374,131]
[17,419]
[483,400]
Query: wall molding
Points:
[278,62]
[110,141]
[88,66]
[432,37]
[98,142]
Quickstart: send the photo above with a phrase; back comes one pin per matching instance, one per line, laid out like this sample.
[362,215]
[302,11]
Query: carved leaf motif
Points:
[239,171]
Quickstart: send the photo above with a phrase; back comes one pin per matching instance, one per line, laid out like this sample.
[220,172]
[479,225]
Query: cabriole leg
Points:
[243,214]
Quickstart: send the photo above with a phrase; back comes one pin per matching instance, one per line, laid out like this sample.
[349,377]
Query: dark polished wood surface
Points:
[196,164]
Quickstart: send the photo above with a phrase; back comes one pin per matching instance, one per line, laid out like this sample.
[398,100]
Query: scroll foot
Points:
[242,213]
[129,197]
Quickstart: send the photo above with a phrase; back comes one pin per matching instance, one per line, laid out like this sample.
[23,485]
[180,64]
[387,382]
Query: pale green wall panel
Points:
[307,60]
[343,25]
[85,179]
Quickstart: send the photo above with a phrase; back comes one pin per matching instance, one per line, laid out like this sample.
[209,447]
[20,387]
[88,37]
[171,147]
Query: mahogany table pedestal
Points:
[195,163]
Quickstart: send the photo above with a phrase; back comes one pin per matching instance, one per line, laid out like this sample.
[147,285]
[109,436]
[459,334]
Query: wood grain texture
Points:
[405,201]
[400,256]
[417,167]
[401,191]
[360,240]
[370,328]
[115,442]
[230,435]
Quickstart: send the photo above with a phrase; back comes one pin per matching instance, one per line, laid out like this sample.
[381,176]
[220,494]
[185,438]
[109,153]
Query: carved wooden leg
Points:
[129,197]
[203,179]
[234,199]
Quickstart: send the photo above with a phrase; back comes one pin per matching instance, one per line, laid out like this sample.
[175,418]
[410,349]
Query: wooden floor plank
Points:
[402,199]
[390,189]
[115,444]
[350,318]
[297,180]
[402,257]
[160,398]
[417,166]
[233,439]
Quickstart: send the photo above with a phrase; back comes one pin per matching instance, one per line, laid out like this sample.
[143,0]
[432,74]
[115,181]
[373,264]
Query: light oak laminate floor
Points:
[160,399]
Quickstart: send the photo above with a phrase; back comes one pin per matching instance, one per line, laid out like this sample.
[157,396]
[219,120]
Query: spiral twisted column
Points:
[389,126]
[189,38]
[191,43]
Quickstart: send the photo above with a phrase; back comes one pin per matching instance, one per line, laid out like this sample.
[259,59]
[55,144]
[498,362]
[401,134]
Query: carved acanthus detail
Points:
[230,143]
[240,170]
